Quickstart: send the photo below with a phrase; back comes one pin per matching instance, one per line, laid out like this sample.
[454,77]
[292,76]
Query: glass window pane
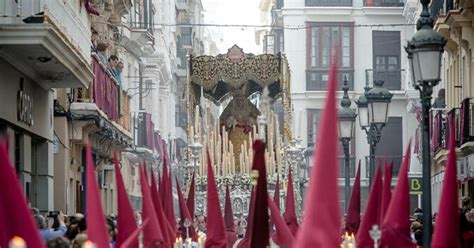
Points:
[325,46]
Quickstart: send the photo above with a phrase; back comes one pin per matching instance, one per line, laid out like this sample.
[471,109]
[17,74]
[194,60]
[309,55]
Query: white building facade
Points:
[367,38]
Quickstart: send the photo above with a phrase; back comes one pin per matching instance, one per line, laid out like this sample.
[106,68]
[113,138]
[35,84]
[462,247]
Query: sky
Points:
[233,12]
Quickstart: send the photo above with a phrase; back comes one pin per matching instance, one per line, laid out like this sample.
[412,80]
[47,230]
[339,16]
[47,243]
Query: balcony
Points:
[49,44]
[395,159]
[439,129]
[467,123]
[328,3]
[440,8]
[383,3]
[353,167]
[394,80]
[101,100]
[144,133]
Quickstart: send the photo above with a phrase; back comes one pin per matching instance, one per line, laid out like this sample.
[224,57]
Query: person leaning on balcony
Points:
[118,76]
[94,41]
[440,100]
[112,62]
[102,52]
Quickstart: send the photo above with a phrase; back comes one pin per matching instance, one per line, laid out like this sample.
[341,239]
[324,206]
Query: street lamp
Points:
[425,51]
[346,129]
[373,116]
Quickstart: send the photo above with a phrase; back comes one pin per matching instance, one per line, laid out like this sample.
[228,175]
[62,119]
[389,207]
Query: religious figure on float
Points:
[240,112]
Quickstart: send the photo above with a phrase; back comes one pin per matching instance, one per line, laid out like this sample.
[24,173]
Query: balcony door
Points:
[386,58]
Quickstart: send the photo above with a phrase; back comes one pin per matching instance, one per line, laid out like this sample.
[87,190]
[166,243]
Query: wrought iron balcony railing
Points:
[393,79]
[395,159]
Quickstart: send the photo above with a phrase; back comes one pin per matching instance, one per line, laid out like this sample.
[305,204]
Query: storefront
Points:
[27,119]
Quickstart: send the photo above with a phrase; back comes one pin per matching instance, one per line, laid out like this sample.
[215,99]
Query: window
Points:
[310,3]
[322,40]
[386,58]
[312,124]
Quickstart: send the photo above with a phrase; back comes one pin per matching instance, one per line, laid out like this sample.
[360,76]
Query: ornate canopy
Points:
[237,73]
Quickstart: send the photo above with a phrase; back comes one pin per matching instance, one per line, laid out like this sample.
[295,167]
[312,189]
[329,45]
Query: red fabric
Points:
[105,91]
[152,233]
[190,199]
[386,191]
[290,209]
[447,231]
[260,232]
[96,233]
[15,216]
[184,212]
[215,235]
[126,222]
[91,9]
[229,219]
[322,224]
[396,225]
[168,205]
[353,212]
[168,232]
[245,242]
[372,211]
[282,236]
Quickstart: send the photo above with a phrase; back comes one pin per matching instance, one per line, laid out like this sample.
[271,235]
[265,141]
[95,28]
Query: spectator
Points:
[94,41]
[112,62]
[201,223]
[440,101]
[102,52]
[79,241]
[58,242]
[46,233]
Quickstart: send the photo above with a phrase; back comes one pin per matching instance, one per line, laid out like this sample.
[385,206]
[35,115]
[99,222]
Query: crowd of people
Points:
[61,231]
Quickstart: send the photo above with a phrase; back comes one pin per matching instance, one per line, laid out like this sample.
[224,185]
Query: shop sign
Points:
[415,184]
[25,108]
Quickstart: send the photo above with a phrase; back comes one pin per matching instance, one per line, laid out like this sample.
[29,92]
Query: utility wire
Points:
[290,27]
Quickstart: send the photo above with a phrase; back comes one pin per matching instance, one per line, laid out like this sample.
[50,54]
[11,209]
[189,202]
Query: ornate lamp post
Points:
[373,116]
[346,129]
[425,51]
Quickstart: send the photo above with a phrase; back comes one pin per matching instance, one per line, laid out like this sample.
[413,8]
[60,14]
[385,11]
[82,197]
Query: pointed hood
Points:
[372,211]
[169,235]
[396,225]
[276,195]
[215,236]
[353,212]
[15,215]
[97,233]
[447,233]
[282,236]
[184,213]
[290,209]
[245,242]
[126,222]
[229,219]
[386,190]
[152,233]
[190,199]
[260,232]
[168,205]
[323,230]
